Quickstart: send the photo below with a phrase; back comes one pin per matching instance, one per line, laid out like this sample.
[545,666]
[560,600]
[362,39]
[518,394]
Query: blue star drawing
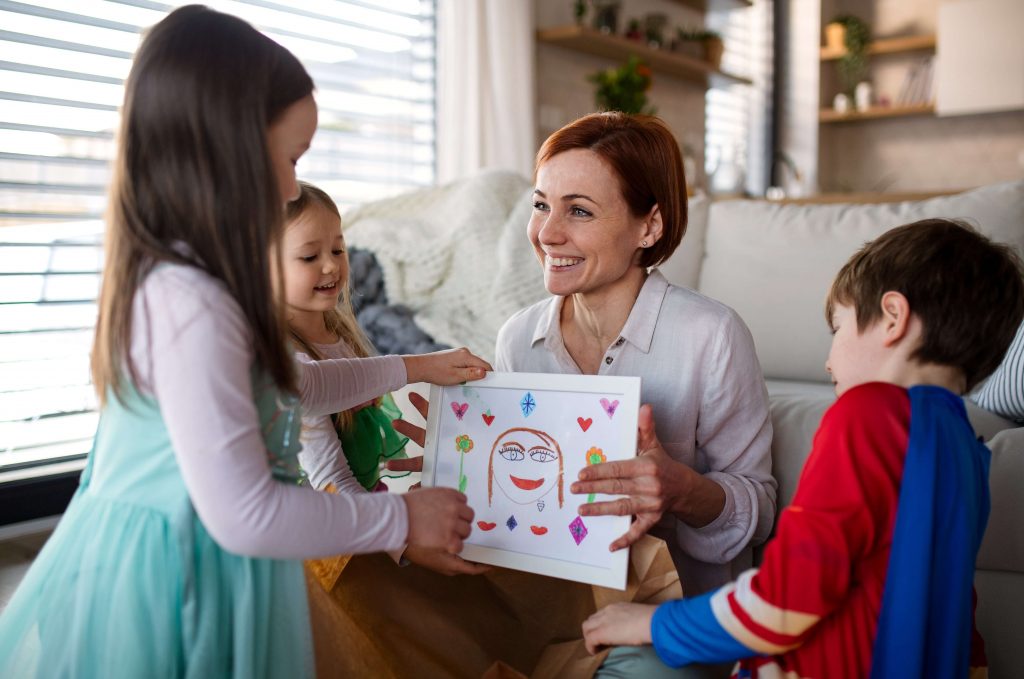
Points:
[528,405]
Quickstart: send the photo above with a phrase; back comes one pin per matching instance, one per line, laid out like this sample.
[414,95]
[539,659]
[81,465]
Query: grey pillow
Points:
[1003,393]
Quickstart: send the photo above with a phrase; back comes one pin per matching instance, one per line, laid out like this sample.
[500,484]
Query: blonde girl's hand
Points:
[439,518]
[454,366]
[442,562]
[618,625]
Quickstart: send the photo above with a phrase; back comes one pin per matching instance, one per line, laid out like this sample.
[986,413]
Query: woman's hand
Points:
[653,484]
[618,625]
[417,435]
[442,562]
[454,366]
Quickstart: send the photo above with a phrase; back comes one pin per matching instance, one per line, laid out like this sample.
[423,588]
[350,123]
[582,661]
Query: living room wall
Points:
[563,92]
[919,153]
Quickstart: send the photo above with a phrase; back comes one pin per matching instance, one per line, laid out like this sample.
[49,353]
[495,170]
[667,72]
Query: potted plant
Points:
[688,41]
[624,88]
[606,15]
[852,66]
[714,47]
[579,11]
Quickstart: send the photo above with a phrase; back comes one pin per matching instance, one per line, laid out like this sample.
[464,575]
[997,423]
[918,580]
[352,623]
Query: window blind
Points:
[62,71]
[738,116]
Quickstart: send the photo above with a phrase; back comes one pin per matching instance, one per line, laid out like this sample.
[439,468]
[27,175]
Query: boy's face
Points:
[856,357]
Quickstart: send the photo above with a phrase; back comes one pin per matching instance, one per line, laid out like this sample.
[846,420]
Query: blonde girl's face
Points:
[315,262]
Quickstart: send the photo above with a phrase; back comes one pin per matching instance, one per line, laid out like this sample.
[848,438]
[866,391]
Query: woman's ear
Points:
[895,317]
[653,228]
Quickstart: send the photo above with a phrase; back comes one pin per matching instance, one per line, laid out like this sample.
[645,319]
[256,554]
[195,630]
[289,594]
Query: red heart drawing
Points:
[585,424]
[483,525]
[538,530]
[488,418]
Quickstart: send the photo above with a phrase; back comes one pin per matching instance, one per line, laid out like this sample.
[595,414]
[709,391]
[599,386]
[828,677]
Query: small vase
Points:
[606,15]
[713,50]
[835,37]
[862,96]
[841,103]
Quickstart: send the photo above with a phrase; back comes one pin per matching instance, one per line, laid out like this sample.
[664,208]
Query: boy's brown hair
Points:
[967,290]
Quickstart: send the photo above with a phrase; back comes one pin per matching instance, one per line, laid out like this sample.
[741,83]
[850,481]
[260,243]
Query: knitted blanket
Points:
[457,255]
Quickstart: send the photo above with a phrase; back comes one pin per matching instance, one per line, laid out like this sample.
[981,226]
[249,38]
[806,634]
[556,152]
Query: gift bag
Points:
[382,620]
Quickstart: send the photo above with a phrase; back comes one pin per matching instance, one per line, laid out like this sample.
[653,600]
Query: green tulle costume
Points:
[371,441]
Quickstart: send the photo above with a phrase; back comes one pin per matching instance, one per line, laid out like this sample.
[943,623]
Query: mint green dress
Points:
[130,584]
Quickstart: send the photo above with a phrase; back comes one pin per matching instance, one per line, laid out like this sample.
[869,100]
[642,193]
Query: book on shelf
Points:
[916,89]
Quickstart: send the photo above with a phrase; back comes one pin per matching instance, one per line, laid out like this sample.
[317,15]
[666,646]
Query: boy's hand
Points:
[618,625]
[439,518]
[454,366]
[442,562]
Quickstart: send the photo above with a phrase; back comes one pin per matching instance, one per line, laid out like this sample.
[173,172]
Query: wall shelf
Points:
[702,5]
[583,39]
[908,43]
[828,115]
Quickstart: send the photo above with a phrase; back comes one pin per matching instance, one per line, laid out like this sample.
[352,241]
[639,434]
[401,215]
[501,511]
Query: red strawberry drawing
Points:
[488,418]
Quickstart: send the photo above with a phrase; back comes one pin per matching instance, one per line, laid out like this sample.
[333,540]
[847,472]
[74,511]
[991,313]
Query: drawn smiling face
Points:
[525,464]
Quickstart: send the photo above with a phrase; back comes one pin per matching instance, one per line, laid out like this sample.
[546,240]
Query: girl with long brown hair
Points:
[179,554]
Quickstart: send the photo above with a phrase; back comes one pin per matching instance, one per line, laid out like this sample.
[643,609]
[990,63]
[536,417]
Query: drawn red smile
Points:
[526,484]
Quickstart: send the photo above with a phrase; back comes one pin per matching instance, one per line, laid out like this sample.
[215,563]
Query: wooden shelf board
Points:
[702,5]
[616,47]
[907,43]
[828,115]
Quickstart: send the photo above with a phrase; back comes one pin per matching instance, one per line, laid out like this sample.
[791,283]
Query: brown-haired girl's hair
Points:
[193,180]
[645,156]
[341,320]
[967,290]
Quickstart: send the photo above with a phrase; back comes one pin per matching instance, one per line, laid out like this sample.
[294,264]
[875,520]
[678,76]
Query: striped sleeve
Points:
[1003,393]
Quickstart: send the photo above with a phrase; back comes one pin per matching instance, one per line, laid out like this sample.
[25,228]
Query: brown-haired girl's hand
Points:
[453,366]
[439,518]
[443,562]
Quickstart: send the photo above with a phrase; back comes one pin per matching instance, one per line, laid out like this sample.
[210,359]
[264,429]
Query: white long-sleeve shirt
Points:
[701,375]
[193,351]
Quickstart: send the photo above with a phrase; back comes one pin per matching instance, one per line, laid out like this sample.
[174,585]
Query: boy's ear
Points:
[895,317]
[653,227]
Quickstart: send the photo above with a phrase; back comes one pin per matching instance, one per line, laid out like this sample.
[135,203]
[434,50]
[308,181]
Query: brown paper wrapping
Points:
[375,619]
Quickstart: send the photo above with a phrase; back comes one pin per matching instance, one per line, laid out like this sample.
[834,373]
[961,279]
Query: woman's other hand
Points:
[653,484]
[416,434]
[454,366]
[618,625]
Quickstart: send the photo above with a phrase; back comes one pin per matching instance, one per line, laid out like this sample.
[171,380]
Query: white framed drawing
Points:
[514,443]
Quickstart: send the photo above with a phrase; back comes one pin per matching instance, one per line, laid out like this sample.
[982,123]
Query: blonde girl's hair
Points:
[341,320]
[194,183]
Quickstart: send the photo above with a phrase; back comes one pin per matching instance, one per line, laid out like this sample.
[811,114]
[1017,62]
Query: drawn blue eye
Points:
[512,453]
[539,454]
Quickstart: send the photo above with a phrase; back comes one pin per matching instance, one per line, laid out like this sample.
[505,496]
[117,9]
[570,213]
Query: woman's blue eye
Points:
[511,453]
[538,205]
[579,212]
[542,455]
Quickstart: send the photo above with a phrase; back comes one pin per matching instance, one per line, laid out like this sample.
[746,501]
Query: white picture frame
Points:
[525,424]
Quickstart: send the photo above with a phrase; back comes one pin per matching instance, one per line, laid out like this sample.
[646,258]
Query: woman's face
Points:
[581,228]
[525,465]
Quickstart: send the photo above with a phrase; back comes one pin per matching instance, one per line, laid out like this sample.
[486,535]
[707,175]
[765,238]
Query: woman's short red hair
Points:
[645,156]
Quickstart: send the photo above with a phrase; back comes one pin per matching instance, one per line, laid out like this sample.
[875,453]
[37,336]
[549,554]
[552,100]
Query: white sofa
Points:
[773,264]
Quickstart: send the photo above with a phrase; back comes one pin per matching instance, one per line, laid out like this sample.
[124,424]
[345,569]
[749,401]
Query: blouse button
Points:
[620,341]
[608,360]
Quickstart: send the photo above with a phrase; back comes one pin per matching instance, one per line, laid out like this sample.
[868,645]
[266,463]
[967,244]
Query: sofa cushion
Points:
[683,267]
[774,263]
